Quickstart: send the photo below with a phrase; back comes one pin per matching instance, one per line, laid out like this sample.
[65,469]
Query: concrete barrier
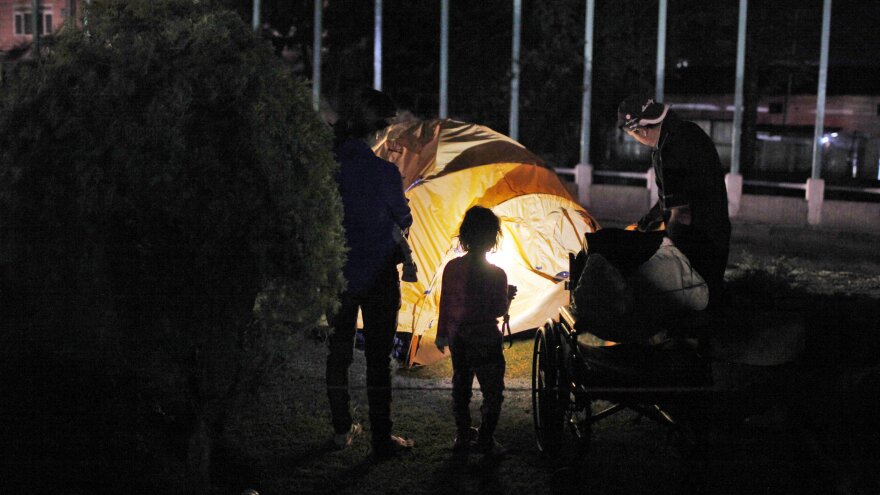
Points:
[629,203]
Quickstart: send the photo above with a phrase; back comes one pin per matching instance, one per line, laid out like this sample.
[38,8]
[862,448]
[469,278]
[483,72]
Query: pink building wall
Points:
[58,9]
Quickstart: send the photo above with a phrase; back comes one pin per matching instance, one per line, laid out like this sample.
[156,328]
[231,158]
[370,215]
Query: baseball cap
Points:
[378,102]
[639,111]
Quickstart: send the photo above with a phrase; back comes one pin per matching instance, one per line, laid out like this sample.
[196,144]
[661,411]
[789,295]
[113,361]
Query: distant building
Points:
[16,20]
[785,131]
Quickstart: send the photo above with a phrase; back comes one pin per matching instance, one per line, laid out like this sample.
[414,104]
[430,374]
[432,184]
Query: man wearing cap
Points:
[635,282]
[692,198]
[374,206]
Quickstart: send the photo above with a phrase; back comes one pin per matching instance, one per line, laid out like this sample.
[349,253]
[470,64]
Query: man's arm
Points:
[395,198]
[679,222]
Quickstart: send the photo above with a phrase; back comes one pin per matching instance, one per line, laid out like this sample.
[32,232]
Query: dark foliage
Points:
[157,171]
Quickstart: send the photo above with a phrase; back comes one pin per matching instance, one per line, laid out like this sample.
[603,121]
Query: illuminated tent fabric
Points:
[449,166]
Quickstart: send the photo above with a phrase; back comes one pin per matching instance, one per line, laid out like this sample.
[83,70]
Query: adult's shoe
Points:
[464,439]
[343,440]
[391,446]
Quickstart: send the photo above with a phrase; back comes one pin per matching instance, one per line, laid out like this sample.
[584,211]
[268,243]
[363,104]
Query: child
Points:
[474,293]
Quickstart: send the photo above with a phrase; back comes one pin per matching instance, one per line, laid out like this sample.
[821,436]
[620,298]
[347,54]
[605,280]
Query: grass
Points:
[286,440]
[518,358]
[278,442]
[283,439]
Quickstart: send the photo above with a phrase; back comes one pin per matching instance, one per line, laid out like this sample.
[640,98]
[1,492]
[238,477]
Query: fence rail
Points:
[567,171]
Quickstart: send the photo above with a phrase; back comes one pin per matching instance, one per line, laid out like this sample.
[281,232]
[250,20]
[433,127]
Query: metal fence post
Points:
[584,175]
[444,58]
[514,70]
[661,50]
[36,25]
[316,57]
[377,46]
[734,180]
[815,185]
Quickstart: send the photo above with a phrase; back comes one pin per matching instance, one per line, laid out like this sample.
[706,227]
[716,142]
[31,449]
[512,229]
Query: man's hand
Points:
[651,220]
[442,343]
[649,223]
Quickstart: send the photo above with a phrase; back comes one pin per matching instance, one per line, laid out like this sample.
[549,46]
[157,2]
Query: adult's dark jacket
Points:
[688,172]
[373,203]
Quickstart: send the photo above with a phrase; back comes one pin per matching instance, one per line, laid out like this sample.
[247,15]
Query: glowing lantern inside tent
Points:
[449,166]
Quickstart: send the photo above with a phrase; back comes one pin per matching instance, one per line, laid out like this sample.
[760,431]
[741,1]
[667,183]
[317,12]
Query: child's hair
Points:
[480,230]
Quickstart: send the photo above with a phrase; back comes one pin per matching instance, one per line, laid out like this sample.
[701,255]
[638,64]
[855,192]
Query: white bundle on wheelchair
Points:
[667,284]
[633,309]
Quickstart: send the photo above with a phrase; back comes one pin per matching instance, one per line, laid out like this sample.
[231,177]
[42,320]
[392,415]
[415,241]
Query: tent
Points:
[449,166]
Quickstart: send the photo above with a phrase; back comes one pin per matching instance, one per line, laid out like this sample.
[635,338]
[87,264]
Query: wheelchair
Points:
[579,380]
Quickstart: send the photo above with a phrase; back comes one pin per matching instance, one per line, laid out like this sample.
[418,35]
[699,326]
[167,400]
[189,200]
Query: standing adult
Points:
[374,205]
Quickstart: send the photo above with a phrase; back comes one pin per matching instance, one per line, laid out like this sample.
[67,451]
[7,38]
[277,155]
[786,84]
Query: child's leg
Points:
[462,385]
[491,378]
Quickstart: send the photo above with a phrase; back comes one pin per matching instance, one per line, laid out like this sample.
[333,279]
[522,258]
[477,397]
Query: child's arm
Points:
[500,301]
[442,338]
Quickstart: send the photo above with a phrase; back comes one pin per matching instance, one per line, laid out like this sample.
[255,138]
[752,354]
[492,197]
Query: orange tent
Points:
[449,166]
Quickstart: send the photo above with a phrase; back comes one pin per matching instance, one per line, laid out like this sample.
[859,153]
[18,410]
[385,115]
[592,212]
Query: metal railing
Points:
[567,171]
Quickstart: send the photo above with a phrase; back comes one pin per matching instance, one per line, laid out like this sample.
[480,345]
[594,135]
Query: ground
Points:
[280,440]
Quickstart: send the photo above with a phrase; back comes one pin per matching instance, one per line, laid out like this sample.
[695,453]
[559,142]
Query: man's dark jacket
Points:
[373,204]
[688,172]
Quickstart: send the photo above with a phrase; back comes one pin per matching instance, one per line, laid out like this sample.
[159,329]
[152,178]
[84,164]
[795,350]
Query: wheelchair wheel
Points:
[547,413]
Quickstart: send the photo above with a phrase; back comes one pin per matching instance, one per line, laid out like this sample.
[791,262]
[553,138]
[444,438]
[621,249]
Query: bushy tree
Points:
[156,172]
